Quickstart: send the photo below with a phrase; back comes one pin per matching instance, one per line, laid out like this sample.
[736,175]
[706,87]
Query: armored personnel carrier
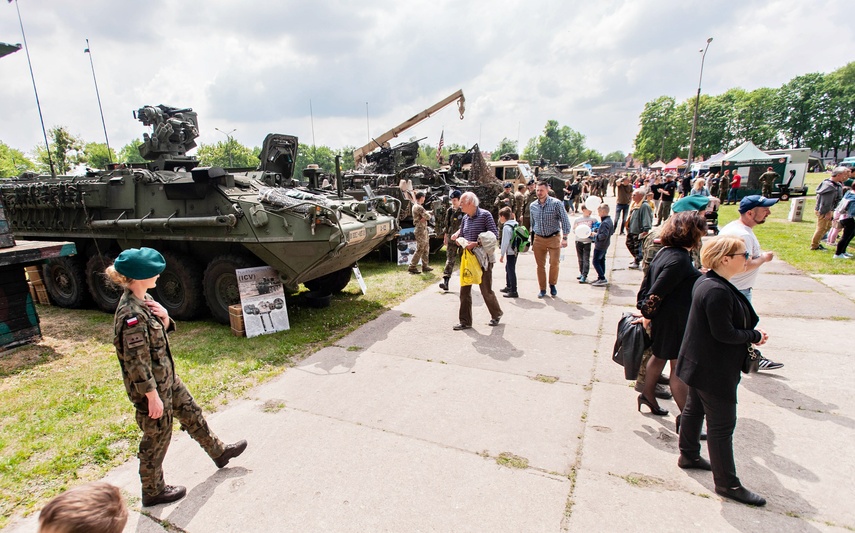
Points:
[206,221]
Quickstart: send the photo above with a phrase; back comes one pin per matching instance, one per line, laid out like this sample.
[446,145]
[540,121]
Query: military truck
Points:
[206,221]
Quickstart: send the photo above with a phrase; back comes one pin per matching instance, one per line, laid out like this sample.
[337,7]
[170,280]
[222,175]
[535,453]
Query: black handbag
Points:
[751,363]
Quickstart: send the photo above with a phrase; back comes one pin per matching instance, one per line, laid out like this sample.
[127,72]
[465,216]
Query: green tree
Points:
[530,152]
[96,155]
[323,156]
[560,144]
[130,153]
[797,107]
[656,123]
[13,162]
[506,146]
[228,154]
[347,161]
[427,156]
[66,151]
[617,155]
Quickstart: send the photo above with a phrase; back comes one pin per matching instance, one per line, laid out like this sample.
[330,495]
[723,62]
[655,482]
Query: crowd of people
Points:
[694,301]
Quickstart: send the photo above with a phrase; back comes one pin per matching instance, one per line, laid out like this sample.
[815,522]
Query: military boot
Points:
[231,451]
[444,284]
[167,495]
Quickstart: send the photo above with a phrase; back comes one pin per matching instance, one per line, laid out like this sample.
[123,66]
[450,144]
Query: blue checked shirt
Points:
[549,218]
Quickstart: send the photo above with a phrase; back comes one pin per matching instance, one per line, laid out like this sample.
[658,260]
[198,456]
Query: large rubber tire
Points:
[332,283]
[179,287]
[221,286]
[65,281]
[104,292]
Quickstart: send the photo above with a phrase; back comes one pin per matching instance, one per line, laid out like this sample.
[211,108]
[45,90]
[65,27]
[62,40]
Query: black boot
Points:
[444,284]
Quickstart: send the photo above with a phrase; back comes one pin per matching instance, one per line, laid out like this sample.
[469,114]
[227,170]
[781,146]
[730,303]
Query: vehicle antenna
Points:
[98,95]
[38,105]
[312,118]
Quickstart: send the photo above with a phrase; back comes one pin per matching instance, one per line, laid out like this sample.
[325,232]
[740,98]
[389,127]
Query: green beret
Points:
[142,263]
[690,203]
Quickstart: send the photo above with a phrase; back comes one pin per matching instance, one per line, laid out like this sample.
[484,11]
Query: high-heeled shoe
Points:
[655,409]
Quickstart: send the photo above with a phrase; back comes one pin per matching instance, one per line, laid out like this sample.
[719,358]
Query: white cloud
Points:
[255,65]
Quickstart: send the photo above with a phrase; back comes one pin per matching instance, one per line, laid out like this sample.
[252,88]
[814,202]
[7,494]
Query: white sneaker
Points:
[633,265]
[848,255]
[840,256]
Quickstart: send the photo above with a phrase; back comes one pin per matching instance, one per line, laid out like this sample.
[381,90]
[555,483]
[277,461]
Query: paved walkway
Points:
[406,425]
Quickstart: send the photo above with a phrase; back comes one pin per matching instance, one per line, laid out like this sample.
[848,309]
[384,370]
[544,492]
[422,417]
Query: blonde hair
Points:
[92,508]
[716,248]
[119,279]
[700,184]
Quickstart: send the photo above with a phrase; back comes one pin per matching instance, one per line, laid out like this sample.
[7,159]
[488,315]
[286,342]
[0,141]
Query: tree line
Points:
[813,110]
[557,144]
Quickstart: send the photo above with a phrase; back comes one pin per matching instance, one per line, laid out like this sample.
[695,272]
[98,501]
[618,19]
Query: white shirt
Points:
[736,228]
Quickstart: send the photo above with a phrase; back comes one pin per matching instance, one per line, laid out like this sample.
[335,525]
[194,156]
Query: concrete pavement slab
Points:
[305,472]
[534,419]
[841,283]
[636,502]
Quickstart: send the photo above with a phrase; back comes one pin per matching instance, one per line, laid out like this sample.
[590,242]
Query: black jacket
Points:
[720,327]
[629,345]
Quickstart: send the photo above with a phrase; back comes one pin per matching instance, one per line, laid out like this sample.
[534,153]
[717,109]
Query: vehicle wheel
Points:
[104,292]
[221,286]
[331,283]
[65,281]
[179,287]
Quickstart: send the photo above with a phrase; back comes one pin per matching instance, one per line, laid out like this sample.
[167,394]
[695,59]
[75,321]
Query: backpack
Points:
[520,238]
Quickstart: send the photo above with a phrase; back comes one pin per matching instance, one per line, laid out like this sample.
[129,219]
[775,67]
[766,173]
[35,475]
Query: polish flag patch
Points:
[133,321]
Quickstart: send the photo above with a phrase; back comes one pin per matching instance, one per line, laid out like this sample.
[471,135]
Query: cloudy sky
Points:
[254,66]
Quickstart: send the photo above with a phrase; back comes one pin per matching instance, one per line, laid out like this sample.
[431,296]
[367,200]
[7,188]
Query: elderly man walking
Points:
[475,222]
[828,195]
[550,225]
[638,226]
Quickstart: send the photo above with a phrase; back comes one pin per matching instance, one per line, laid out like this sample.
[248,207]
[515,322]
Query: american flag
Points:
[439,147]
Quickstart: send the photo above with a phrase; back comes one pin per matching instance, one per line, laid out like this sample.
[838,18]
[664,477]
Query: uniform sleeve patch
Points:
[133,340]
[133,321]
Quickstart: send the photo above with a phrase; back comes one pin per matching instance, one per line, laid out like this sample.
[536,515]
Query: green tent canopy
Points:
[747,155]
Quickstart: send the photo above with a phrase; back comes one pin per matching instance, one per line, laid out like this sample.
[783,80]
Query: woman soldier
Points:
[148,371]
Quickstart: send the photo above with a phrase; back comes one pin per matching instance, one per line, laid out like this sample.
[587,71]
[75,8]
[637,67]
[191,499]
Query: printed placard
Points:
[262,300]
[360,280]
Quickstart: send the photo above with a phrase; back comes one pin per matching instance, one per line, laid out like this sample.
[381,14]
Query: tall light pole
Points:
[697,102]
[229,146]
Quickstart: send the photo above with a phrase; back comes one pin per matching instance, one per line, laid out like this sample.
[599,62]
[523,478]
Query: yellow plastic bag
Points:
[470,269]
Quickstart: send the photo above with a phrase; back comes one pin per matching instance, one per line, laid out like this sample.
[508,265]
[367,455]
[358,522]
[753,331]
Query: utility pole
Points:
[697,102]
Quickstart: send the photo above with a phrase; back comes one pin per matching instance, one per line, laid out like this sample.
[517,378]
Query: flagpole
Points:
[38,104]
[98,95]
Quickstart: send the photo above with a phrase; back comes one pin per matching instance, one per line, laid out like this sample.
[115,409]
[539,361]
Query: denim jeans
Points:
[599,262]
[511,272]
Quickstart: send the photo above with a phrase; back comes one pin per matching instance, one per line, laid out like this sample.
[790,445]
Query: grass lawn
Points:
[64,415]
[791,240]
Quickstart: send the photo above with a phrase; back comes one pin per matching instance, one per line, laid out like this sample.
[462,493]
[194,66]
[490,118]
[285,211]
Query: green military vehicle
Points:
[207,222]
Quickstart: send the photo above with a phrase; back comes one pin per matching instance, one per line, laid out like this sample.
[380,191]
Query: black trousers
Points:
[848,232]
[721,421]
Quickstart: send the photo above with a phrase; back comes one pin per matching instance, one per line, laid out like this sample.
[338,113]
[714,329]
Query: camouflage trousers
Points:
[452,253]
[422,248]
[633,244]
[177,403]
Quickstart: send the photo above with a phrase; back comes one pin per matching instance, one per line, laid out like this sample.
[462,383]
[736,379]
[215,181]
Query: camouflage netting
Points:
[290,199]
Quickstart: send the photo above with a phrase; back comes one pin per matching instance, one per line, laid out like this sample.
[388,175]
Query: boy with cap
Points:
[753,211]
[148,370]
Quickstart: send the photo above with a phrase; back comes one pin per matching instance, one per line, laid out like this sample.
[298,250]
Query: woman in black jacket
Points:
[719,335]
[664,300]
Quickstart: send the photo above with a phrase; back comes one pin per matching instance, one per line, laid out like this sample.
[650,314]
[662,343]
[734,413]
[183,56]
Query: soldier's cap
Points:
[139,263]
[455,194]
[755,200]
[531,181]
[508,185]
[690,203]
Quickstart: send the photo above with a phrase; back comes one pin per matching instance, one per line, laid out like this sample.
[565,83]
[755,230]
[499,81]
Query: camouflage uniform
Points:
[452,249]
[505,199]
[767,179]
[651,245]
[420,220]
[519,204]
[724,188]
[528,199]
[142,347]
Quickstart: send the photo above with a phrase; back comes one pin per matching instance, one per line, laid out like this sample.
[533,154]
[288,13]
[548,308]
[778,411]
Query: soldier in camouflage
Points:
[453,217]
[724,187]
[148,370]
[767,180]
[528,199]
[420,221]
[505,198]
[519,202]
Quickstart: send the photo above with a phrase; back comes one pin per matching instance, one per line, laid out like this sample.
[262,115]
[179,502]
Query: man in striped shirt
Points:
[476,222]
[550,227]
